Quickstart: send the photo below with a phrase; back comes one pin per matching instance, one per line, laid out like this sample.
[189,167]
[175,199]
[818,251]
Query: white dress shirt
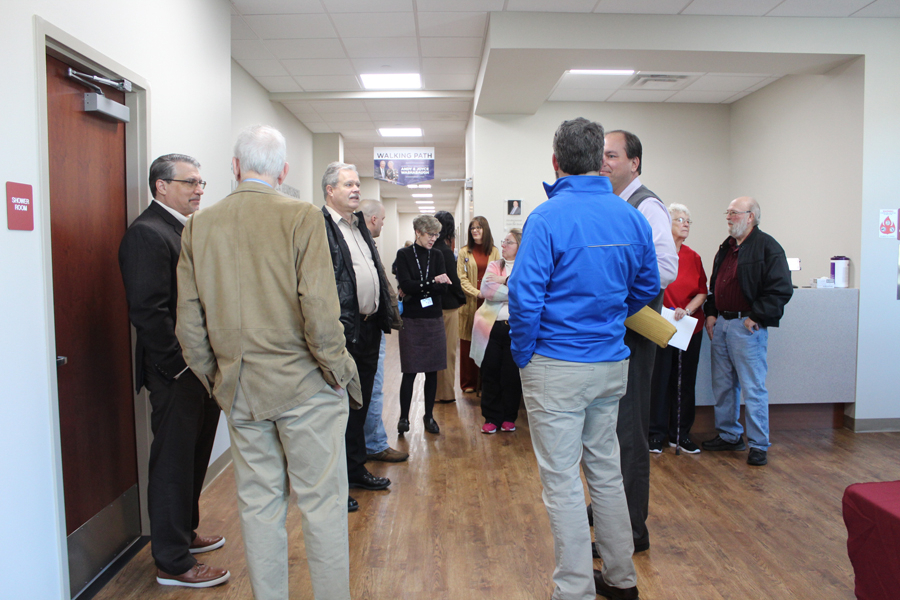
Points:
[661,223]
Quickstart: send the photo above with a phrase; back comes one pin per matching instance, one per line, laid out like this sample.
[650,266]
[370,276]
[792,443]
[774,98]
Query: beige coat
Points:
[468,278]
[257,302]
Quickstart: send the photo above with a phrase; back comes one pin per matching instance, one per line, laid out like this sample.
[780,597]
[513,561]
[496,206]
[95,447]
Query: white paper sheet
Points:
[685,328]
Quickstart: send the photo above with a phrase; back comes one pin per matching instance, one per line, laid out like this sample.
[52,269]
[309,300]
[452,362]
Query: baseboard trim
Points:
[216,468]
[871,425]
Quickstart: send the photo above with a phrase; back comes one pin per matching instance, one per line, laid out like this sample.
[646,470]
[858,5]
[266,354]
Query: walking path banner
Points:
[403,166]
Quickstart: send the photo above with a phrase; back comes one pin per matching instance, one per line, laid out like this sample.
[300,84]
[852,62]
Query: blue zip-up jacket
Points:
[586,262]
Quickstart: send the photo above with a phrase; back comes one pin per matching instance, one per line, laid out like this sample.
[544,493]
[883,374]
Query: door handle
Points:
[61,360]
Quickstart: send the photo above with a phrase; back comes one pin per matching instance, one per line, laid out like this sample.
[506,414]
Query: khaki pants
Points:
[446,382]
[306,446]
[572,410]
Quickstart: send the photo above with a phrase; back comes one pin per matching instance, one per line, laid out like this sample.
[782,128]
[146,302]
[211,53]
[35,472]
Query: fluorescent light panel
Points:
[419,186]
[400,132]
[424,202]
[601,71]
[391,81]
[423,195]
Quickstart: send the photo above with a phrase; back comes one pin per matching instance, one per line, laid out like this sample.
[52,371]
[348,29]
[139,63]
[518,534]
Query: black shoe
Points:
[431,425]
[594,553]
[367,481]
[757,457]
[641,547]
[614,593]
[718,444]
[687,445]
[352,505]
[402,425]
[448,401]
[656,444]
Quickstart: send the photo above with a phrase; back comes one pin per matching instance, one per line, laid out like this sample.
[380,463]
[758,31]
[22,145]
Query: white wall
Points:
[250,105]
[182,49]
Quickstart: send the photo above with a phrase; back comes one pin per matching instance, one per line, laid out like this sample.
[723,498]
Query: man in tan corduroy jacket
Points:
[258,319]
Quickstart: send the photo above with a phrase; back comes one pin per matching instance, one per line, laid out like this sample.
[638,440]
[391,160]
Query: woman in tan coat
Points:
[471,266]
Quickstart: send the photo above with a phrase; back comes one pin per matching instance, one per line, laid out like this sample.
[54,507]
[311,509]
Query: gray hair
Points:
[426,224]
[371,208]
[261,149]
[679,208]
[164,168]
[578,146]
[332,174]
[754,208]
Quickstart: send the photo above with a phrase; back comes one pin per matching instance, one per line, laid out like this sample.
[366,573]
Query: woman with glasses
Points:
[470,266]
[423,278]
[671,419]
[501,388]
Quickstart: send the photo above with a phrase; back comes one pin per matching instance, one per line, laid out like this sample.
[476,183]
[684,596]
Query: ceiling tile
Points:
[240,30]
[880,8]
[250,49]
[645,7]
[299,107]
[277,7]
[582,6]
[454,81]
[386,65]
[450,65]
[319,66]
[263,68]
[715,82]
[279,84]
[290,27]
[357,6]
[443,127]
[321,106]
[699,96]
[387,25]
[452,24]
[742,8]
[439,105]
[328,83]
[576,81]
[459,5]
[346,117]
[453,46]
[392,105]
[640,96]
[318,127]
[580,95]
[369,47]
[310,48]
[817,8]
[394,116]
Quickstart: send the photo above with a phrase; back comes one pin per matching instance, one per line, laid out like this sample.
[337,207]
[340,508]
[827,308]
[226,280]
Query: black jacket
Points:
[346,278]
[454,296]
[763,275]
[148,258]
[409,278]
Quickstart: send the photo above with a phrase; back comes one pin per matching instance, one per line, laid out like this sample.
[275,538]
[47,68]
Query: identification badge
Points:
[426,302]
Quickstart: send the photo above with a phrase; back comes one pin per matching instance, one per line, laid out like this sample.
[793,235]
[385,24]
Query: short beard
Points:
[738,230]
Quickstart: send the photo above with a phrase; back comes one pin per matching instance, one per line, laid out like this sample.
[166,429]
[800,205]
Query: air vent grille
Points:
[660,81]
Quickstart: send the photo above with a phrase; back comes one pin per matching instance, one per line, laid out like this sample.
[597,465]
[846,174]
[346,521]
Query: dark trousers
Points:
[365,353]
[665,419]
[501,387]
[183,420]
[633,429]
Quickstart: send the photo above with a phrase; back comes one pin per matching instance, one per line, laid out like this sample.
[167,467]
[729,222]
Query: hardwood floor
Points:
[464,519]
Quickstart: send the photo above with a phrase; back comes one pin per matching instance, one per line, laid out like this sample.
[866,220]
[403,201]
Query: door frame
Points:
[52,40]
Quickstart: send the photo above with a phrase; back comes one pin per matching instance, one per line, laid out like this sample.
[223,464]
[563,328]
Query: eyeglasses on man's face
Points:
[734,213]
[683,220]
[191,182]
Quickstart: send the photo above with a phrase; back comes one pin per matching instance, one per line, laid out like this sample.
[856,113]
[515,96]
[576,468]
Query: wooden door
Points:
[96,401]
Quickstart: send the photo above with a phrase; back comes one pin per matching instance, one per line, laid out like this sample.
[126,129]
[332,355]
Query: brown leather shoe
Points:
[199,576]
[206,543]
[388,455]
[614,593]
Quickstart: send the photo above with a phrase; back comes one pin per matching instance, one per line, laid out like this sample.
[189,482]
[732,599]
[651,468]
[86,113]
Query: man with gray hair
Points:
[377,446]
[365,305]
[258,317]
[749,286]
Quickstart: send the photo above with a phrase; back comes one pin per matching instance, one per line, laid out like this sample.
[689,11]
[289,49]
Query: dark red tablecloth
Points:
[872,516]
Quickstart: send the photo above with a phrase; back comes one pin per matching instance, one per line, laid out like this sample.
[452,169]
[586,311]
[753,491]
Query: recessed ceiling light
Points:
[400,132]
[601,71]
[423,195]
[424,202]
[391,81]
[422,186]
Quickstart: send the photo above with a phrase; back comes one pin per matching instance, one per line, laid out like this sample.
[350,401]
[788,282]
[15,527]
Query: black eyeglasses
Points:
[190,182]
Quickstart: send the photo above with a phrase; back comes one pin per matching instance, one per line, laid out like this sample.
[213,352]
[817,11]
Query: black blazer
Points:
[148,258]
[454,297]
[409,278]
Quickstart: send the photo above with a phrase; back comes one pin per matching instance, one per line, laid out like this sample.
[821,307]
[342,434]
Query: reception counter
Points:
[812,354]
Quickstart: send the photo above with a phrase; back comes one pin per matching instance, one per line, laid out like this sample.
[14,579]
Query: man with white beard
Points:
[749,287]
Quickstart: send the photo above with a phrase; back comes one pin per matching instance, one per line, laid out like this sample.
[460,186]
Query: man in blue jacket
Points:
[587,261]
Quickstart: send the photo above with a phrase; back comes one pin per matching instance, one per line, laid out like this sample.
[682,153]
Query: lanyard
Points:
[427,265]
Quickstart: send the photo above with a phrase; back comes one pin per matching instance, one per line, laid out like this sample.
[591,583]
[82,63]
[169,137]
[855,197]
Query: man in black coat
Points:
[184,416]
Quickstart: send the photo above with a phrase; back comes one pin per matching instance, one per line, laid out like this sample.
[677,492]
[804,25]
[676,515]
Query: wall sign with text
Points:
[19,206]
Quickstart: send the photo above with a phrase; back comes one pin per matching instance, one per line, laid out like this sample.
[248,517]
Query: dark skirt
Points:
[423,345]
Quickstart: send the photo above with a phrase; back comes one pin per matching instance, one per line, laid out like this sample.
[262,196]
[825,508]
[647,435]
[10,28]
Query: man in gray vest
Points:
[622,158]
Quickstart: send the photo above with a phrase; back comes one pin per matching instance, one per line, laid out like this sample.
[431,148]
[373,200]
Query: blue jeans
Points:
[738,364]
[376,437]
